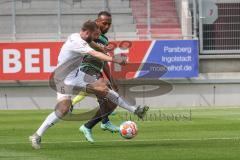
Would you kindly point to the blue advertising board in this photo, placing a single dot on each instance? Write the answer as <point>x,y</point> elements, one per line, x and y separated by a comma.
<point>171,59</point>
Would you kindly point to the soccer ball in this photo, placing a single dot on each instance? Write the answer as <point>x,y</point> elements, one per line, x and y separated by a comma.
<point>128,129</point>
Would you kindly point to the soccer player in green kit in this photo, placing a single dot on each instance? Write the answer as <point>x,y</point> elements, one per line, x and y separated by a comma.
<point>94,67</point>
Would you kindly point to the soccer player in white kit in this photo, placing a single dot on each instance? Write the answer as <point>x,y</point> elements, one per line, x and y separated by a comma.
<point>69,79</point>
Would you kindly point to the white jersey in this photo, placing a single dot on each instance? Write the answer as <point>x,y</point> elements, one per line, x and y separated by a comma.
<point>75,46</point>
<point>67,74</point>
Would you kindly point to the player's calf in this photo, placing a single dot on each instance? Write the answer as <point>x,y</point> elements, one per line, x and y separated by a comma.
<point>63,108</point>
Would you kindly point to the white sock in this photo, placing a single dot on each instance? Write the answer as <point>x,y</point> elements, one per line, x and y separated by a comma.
<point>116,99</point>
<point>49,121</point>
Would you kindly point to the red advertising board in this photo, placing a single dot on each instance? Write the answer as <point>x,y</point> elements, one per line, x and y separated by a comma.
<point>36,60</point>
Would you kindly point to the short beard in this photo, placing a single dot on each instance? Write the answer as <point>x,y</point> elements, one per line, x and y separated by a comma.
<point>104,32</point>
<point>89,40</point>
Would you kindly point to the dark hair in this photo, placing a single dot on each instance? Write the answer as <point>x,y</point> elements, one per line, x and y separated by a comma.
<point>89,25</point>
<point>104,13</point>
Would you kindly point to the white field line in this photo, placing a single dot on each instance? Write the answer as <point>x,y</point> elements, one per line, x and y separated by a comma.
<point>140,140</point>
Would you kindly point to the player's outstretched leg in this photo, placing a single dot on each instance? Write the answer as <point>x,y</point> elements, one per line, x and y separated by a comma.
<point>115,98</point>
<point>35,139</point>
<point>62,109</point>
<point>100,88</point>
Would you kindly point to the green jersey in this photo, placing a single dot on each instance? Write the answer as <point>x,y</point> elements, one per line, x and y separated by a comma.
<point>92,62</point>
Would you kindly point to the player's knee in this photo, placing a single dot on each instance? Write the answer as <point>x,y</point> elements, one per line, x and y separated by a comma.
<point>99,88</point>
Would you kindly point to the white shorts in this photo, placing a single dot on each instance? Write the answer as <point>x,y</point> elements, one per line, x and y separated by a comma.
<point>75,82</point>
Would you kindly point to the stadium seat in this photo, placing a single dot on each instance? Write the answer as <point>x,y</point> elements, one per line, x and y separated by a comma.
<point>6,26</point>
<point>33,15</point>
<point>164,19</point>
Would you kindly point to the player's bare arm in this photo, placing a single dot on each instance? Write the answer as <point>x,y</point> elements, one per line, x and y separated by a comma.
<point>97,47</point>
<point>108,74</point>
<point>107,58</point>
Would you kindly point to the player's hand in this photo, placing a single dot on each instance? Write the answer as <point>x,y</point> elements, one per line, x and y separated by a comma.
<point>109,48</point>
<point>120,59</point>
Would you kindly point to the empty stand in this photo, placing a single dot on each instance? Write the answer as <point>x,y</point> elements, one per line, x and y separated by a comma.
<point>35,19</point>
<point>164,19</point>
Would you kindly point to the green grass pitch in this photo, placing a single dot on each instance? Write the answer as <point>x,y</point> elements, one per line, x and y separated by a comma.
<point>172,134</point>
